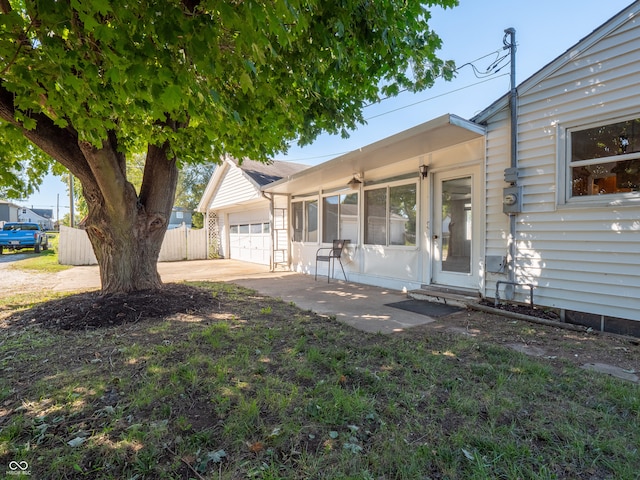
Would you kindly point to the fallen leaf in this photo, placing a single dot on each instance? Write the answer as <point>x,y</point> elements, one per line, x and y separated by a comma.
<point>76,442</point>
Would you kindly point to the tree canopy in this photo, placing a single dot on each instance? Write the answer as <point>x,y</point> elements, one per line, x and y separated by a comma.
<point>92,83</point>
<point>210,77</point>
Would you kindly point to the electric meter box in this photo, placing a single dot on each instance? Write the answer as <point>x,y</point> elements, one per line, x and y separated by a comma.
<point>512,200</point>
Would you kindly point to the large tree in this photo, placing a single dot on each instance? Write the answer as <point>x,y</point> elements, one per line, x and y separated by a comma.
<point>93,82</point>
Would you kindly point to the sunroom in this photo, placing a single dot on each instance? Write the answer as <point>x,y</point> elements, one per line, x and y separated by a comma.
<point>410,206</point>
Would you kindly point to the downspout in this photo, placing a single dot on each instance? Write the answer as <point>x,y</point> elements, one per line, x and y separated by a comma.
<point>272,265</point>
<point>512,200</point>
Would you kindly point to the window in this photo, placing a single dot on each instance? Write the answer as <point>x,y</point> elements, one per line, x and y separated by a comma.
<point>297,219</point>
<point>311,220</point>
<point>390,214</point>
<point>305,221</point>
<point>340,217</point>
<point>253,229</point>
<point>604,159</point>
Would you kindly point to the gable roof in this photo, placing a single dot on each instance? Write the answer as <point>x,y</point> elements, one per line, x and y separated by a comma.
<point>630,13</point>
<point>43,212</point>
<point>265,173</point>
<point>252,176</point>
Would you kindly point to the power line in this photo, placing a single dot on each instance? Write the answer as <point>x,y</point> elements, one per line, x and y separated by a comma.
<point>437,96</point>
<point>490,70</point>
<point>402,108</point>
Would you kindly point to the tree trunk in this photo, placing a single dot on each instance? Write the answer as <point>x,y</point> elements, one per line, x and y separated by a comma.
<point>127,252</point>
<point>126,230</point>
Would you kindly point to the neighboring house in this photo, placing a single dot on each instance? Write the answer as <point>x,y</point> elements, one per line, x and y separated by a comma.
<point>248,226</point>
<point>179,216</point>
<point>8,212</point>
<point>41,216</point>
<point>444,204</point>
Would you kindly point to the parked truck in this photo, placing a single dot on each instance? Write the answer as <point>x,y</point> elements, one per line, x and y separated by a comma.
<point>19,235</point>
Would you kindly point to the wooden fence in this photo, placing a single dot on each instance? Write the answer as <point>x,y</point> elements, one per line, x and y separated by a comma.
<point>180,243</point>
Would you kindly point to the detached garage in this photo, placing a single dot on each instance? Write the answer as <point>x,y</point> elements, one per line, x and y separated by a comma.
<point>241,215</point>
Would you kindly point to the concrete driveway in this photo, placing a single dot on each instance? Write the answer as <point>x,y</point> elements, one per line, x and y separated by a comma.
<point>360,306</point>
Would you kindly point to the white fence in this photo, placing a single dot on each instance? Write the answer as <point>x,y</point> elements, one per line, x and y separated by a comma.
<point>180,243</point>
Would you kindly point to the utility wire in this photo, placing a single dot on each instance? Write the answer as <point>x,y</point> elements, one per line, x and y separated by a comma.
<point>490,71</point>
<point>437,96</point>
<point>401,108</point>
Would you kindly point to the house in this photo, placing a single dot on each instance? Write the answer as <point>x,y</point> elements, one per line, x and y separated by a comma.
<point>8,211</point>
<point>179,216</point>
<point>41,216</point>
<point>540,191</point>
<point>242,221</point>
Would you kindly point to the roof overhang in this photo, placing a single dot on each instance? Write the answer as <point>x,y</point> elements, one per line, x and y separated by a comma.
<point>442,132</point>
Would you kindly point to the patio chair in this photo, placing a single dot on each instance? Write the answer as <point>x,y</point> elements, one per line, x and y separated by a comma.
<point>330,255</point>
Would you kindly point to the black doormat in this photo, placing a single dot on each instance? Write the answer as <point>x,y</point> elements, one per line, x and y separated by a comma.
<point>423,307</point>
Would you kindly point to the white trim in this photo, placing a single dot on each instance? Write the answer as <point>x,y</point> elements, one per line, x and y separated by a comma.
<point>564,198</point>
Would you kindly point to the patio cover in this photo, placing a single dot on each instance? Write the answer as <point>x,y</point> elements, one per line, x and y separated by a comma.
<point>441,132</point>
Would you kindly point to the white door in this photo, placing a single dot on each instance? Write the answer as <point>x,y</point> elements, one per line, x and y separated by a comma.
<point>456,229</point>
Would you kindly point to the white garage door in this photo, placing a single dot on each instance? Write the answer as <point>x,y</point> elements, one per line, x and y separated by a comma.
<point>250,238</point>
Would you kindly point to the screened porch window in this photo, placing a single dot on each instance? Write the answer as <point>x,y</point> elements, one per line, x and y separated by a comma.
<point>305,221</point>
<point>605,159</point>
<point>390,214</point>
<point>340,217</point>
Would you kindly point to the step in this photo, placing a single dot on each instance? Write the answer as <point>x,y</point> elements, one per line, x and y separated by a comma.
<point>460,297</point>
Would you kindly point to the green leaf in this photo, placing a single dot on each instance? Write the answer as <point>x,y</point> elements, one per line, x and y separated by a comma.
<point>171,98</point>
<point>245,82</point>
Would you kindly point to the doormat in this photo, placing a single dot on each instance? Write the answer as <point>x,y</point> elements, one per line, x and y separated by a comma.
<point>422,307</point>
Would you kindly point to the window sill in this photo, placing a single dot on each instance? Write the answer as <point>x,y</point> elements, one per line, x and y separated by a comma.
<point>604,201</point>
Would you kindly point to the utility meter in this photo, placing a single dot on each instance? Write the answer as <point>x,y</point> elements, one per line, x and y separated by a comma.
<point>512,200</point>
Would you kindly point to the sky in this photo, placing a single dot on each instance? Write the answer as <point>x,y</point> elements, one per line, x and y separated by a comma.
<point>471,32</point>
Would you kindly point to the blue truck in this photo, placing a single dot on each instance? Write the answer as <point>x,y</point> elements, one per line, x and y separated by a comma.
<point>18,235</point>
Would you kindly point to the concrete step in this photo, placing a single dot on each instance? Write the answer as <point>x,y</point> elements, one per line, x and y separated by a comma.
<point>451,296</point>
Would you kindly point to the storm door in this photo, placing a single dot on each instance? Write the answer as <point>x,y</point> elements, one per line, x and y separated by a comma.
<point>455,229</point>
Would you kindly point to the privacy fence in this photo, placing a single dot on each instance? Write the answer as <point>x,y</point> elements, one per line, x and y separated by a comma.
<point>180,243</point>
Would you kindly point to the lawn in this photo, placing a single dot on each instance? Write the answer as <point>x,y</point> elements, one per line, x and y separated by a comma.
<point>44,262</point>
<point>256,388</point>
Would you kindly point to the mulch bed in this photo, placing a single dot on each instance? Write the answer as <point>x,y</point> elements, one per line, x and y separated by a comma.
<point>93,310</point>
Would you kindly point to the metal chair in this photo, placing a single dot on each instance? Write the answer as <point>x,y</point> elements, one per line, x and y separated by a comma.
<point>330,255</point>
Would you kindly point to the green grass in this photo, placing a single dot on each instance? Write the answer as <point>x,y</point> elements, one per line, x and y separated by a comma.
<point>259,389</point>
<point>43,262</point>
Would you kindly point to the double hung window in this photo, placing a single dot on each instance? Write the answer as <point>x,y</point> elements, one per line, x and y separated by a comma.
<point>390,215</point>
<point>604,159</point>
<point>305,221</point>
<point>340,217</point>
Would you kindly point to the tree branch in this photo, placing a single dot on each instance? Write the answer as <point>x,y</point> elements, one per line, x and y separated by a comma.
<point>108,168</point>
<point>5,6</point>
<point>59,143</point>
<point>158,188</point>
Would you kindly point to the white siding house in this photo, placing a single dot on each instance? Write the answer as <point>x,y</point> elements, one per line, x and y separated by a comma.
<point>249,226</point>
<point>578,235</point>
<point>426,208</point>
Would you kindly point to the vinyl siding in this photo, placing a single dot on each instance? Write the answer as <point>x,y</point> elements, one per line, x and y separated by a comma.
<point>583,258</point>
<point>234,189</point>
<point>497,223</point>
